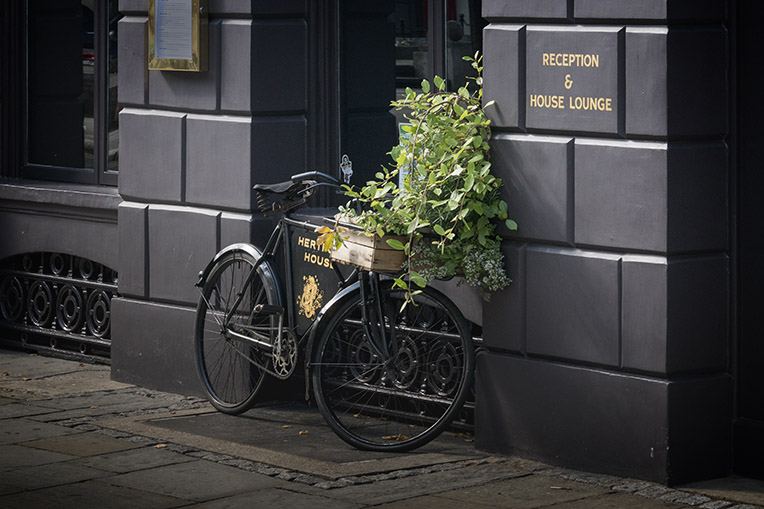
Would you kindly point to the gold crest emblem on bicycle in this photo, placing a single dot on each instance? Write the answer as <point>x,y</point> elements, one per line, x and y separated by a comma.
<point>311,299</point>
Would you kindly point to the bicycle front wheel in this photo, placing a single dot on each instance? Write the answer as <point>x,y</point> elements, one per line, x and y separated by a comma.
<point>230,368</point>
<point>405,401</point>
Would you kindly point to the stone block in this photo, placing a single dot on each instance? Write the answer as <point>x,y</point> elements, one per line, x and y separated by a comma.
<point>675,314</point>
<point>133,73</point>
<point>650,196</point>
<point>537,172</point>
<point>697,191</point>
<point>541,9</point>
<point>572,303</point>
<point>133,253</point>
<point>700,430</point>
<point>235,228</point>
<point>583,418</point>
<point>235,60</point>
<point>279,148</point>
<point>151,155</point>
<point>621,194</point>
<point>573,79</point>
<point>182,240</point>
<point>190,90</point>
<point>219,161</point>
<point>504,315</point>
<point>676,81</point>
<point>571,416</point>
<point>152,347</point>
<point>504,74</point>
<point>279,65</point>
<point>652,10</point>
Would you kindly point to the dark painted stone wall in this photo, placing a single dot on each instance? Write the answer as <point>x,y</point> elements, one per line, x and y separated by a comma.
<point>192,146</point>
<point>609,352</point>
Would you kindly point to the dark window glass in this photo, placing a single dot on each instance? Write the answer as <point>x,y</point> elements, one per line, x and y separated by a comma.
<point>71,94</point>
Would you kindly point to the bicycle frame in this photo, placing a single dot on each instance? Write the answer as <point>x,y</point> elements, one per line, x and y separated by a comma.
<point>278,240</point>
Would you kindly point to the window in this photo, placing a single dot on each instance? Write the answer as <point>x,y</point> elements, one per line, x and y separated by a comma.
<point>432,36</point>
<point>71,122</point>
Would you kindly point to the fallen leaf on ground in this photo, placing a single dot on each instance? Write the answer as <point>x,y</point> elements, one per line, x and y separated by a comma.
<point>94,406</point>
<point>399,436</point>
<point>5,373</point>
<point>160,446</point>
<point>26,379</point>
<point>286,426</point>
<point>304,432</point>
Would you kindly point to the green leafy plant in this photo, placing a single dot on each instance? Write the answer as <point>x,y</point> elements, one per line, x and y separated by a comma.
<point>449,203</point>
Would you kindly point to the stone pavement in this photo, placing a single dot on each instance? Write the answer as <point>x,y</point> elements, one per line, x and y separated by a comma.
<point>70,437</point>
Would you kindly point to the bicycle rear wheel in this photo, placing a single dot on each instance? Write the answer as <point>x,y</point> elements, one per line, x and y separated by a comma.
<point>404,402</point>
<point>230,368</point>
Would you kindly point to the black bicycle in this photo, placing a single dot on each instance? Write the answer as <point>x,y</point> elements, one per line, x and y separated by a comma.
<point>386,377</point>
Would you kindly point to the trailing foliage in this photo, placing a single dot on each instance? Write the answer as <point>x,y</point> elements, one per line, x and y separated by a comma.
<point>449,200</point>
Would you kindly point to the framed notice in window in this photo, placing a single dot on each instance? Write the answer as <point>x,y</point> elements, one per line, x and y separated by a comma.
<point>178,35</point>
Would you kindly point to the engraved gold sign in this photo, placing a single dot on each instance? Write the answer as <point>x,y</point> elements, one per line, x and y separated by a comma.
<point>178,35</point>
<point>311,299</point>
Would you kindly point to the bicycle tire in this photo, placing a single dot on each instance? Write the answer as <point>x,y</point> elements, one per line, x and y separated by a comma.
<point>410,400</point>
<point>229,379</point>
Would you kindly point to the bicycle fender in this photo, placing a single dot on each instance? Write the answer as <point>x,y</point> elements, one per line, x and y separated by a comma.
<point>325,313</point>
<point>250,250</point>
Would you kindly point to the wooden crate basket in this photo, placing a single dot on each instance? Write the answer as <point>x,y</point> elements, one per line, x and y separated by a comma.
<point>369,253</point>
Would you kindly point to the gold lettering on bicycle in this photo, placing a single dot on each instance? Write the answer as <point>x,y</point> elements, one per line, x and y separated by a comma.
<point>314,258</point>
<point>311,299</point>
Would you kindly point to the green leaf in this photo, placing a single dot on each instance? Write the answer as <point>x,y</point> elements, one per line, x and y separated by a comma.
<point>511,225</point>
<point>417,279</point>
<point>425,86</point>
<point>396,244</point>
<point>438,81</point>
<point>438,229</point>
<point>469,182</point>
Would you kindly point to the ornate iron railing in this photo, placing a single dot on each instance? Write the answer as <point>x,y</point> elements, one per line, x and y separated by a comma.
<point>57,302</point>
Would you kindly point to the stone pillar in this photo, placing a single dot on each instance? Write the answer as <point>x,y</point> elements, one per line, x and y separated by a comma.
<point>609,352</point>
<point>192,145</point>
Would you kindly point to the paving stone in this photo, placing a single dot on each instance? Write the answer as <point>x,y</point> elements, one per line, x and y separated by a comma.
<point>23,430</point>
<point>14,409</point>
<point>277,497</point>
<point>619,500</point>
<point>89,494</point>
<point>526,491</point>
<point>740,489</point>
<point>425,484</point>
<point>44,476</point>
<point>183,480</point>
<point>41,387</point>
<point>133,460</point>
<point>82,444</point>
<point>127,400</point>
<point>17,456</point>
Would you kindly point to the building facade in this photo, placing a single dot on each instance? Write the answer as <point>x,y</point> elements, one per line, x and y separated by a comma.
<point>625,132</point>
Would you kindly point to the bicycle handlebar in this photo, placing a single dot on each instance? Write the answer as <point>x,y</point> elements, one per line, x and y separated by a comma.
<point>315,175</point>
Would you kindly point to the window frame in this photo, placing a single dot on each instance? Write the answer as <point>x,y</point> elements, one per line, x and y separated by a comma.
<point>99,174</point>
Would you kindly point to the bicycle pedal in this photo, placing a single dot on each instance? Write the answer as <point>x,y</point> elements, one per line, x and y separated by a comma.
<point>267,309</point>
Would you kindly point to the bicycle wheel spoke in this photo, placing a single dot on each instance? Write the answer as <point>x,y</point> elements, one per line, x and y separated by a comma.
<point>232,370</point>
<point>405,401</point>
